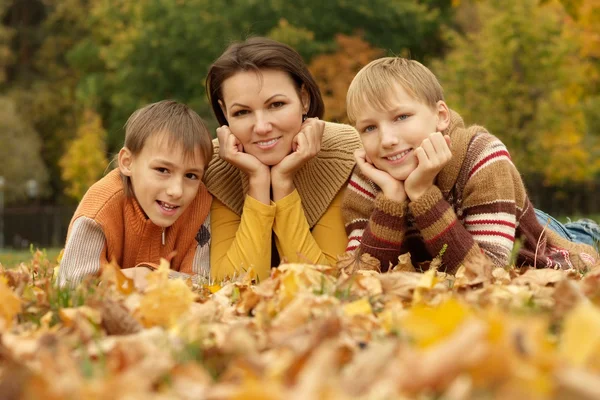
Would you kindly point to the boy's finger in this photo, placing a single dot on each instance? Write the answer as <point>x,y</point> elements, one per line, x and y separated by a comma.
<point>428,148</point>
<point>439,144</point>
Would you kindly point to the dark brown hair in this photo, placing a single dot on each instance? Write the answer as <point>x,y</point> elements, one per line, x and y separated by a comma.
<point>180,125</point>
<point>256,54</point>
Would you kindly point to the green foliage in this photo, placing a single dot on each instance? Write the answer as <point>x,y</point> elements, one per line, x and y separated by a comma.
<point>519,73</point>
<point>19,152</point>
<point>85,159</point>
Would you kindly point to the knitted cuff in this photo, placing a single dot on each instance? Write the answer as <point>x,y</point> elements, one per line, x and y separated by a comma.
<point>426,202</point>
<point>391,207</point>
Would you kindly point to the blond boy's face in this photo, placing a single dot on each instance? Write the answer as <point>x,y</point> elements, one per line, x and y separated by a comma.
<point>164,182</point>
<point>390,136</point>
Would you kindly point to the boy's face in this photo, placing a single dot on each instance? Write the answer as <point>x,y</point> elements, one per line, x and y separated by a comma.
<point>391,136</point>
<point>164,182</point>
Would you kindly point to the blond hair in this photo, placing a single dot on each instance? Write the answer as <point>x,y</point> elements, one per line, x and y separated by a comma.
<point>373,84</point>
<point>180,125</point>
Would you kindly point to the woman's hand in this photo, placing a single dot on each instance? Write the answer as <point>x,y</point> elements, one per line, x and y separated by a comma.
<point>392,188</point>
<point>433,154</point>
<point>259,174</point>
<point>305,145</point>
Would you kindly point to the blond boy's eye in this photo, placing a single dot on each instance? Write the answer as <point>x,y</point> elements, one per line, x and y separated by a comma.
<point>402,117</point>
<point>369,128</point>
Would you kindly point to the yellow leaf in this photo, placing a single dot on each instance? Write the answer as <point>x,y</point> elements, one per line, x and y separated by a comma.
<point>358,307</point>
<point>581,336</point>
<point>165,299</point>
<point>213,288</point>
<point>10,304</point>
<point>112,273</point>
<point>428,325</point>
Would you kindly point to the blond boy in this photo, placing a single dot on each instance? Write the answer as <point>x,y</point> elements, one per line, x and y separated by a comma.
<point>424,182</point>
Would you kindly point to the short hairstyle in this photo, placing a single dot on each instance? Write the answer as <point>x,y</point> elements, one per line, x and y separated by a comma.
<point>256,54</point>
<point>373,84</point>
<point>181,126</point>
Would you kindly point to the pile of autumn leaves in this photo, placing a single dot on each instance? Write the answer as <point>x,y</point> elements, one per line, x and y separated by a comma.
<point>307,332</point>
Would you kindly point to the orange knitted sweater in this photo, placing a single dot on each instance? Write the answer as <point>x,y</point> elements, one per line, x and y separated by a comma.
<point>107,218</point>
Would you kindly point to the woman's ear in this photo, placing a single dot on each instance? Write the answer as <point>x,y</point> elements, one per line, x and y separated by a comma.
<point>223,109</point>
<point>305,99</point>
<point>125,160</point>
<point>443,116</point>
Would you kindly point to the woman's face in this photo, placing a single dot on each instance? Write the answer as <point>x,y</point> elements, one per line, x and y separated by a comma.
<point>264,111</point>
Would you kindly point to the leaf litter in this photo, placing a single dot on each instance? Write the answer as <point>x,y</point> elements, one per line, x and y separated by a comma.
<point>308,331</point>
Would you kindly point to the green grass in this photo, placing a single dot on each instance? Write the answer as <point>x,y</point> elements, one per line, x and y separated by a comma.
<point>11,258</point>
<point>565,219</point>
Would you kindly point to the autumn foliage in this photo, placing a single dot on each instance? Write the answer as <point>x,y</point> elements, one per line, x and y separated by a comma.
<point>308,331</point>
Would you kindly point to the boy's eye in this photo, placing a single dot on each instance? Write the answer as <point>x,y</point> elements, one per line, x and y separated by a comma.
<point>192,176</point>
<point>239,113</point>
<point>402,117</point>
<point>369,128</point>
<point>162,170</point>
<point>277,104</point>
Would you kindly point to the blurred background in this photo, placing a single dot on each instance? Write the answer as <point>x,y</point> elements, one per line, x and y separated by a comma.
<point>72,71</point>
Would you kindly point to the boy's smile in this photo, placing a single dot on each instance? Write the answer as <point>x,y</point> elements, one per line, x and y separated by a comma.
<point>391,135</point>
<point>164,181</point>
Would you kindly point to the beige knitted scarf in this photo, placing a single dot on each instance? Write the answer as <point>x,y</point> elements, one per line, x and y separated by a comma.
<point>317,182</point>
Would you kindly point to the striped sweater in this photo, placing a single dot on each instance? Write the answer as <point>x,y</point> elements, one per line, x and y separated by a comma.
<point>478,205</point>
<point>108,226</point>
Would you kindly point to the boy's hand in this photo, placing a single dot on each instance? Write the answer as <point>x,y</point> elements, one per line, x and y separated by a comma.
<point>138,275</point>
<point>433,154</point>
<point>305,145</point>
<point>392,188</point>
<point>232,151</point>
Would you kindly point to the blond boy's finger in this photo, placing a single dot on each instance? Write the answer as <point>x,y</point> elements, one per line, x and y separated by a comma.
<point>439,143</point>
<point>429,150</point>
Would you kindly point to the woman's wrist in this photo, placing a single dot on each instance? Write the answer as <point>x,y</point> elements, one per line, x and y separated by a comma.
<point>259,188</point>
<point>282,187</point>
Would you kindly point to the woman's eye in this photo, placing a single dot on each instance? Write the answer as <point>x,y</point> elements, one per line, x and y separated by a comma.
<point>239,113</point>
<point>277,104</point>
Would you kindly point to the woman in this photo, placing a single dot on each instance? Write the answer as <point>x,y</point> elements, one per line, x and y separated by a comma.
<point>278,171</point>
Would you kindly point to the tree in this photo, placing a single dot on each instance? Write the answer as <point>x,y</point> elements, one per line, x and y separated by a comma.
<point>520,74</point>
<point>334,72</point>
<point>85,160</point>
<point>20,153</point>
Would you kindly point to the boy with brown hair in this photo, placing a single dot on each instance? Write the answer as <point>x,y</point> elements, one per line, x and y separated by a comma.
<point>426,184</point>
<point>153,206</point>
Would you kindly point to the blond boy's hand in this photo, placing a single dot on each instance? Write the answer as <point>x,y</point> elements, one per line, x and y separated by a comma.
<point>392,188</point>
<point>433,154</point>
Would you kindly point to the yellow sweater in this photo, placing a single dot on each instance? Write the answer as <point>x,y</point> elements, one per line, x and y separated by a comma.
<point>108,226</point>
<point>308,224</point>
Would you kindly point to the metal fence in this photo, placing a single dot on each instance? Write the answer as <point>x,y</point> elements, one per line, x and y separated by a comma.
<point>42,226</point>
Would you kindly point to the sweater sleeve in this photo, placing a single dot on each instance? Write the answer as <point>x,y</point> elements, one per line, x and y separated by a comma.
<point>239,242</point>
<point>374,224</point>
<point>489,212</point>
<point>296,242</point>
<point>85,252</point>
